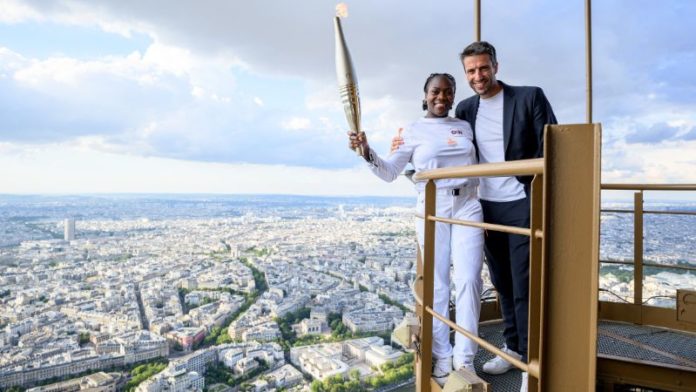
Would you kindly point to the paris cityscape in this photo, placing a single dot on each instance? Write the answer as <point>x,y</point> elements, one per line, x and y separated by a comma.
<point>180,210</point>
<point>224,293</point>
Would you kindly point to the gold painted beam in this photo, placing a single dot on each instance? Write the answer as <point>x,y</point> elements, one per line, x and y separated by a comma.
<point>522,167</point>
<point>477,20</point>
<point>670,212</point>
<point>649,187</point>
<point>537,277</point>
<point>424,367</point>
<point>481,342</point>
<point>619,371</point>
<point>486,226</point>
<point>638,248</point>
<point>653,265</point>
<point>588,61</point>
<point>643,315</point>
<point>571,250</point>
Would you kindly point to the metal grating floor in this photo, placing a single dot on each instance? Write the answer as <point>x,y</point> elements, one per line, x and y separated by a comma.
<point>615,339</point>
<point>647,344</point>
<point>509,381</point>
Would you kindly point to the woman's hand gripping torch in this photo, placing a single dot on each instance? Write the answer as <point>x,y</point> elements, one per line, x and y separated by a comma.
<point>347,80</point>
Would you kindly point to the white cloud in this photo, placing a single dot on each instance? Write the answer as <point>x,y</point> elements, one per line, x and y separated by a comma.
<point>296,123</point>
<point>13,11</point>
<point>68,12</point>
<point>167,58</point>
<point>206,88</point>
<point>323,97</point>
<point>197,92</point>
<point>62,72</point>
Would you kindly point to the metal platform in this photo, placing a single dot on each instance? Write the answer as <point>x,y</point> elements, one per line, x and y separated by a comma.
<point>657,347</point>
<point>509,381</point>
<point>647,344</point>
<point>643,344</point>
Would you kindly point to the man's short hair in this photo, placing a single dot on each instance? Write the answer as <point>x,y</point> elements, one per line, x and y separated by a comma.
<point>479,47</point>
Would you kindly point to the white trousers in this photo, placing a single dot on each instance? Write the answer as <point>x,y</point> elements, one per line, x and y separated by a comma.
<point>462,245</point>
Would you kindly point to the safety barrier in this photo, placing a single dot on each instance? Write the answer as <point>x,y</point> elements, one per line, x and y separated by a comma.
<point>564,254</point>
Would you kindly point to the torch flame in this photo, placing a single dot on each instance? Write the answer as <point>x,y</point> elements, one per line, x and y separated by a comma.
<point>342,10</point>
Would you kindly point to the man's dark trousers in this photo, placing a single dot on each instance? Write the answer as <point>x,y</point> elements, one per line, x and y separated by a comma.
<point>507,256</point>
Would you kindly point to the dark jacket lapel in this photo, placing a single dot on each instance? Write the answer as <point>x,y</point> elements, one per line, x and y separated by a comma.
<point>471,118</point>
<point>473,110</point>
<point>508,110</point>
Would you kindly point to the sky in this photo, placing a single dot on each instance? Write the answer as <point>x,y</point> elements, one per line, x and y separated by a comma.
<point>225,96</point>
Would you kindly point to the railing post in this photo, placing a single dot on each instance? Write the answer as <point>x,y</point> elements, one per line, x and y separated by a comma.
<point>536,281</point>
<point>588,61</point>
<point>477,20</point>
<point>638,248</point>
<point>571,255</point>
<point>424,369</point>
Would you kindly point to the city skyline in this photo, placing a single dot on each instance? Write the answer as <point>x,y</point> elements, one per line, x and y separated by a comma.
<point>241,286</point>
<point>202,290</point>
<point>241,97</point>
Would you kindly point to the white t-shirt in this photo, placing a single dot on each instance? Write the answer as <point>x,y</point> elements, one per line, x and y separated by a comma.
<point>491,148</point>
<point>431,143</point>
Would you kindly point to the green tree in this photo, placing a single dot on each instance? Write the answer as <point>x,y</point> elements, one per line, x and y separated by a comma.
<point>334,380</point>
<point>84,338</point>
<point>143,372</point>
<point>354,386</point>
<point>246,387</point>
<point>316,386</point>
<point>338,388</point>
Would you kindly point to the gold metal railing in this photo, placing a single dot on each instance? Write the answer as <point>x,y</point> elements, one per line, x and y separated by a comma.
<point>424,305</point>
<point>638,312</point>
<point>564,201</point>
<point>649,187</point>
<point>612,370</point>
<point>514,168</point>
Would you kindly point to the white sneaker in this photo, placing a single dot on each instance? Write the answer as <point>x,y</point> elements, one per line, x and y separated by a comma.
<point>525,380</point>
<point>498,365</point>
<point>441,369</point>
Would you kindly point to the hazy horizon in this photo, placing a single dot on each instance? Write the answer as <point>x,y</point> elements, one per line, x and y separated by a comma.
<point>648,198</point>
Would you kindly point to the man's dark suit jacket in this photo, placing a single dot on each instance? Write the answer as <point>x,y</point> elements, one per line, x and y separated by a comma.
<point>525,112</point>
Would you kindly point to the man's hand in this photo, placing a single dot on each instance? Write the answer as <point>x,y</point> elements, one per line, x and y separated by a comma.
<point>397,141</point>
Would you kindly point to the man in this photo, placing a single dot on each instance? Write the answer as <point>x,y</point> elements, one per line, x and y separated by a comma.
<point>508,123</point>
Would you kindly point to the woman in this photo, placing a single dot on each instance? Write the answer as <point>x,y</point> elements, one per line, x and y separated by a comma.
<point>431,142</point>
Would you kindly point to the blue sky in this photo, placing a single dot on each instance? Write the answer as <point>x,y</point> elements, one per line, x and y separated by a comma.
<point>241,97</point>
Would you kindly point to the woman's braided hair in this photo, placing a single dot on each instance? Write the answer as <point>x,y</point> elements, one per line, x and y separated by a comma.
<point>434,75</point>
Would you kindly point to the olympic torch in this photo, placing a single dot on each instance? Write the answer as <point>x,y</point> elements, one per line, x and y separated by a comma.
<point>347,80</point>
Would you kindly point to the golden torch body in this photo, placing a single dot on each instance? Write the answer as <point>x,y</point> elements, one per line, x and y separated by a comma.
<point>347,81</point>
